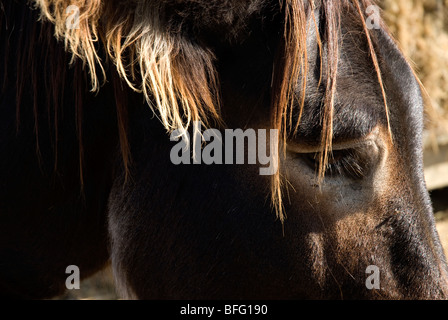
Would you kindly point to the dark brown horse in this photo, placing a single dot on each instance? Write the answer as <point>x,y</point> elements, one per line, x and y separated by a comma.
<point>86,177</point>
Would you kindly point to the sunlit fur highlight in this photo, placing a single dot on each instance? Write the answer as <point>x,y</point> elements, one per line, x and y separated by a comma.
<point>178,77</point>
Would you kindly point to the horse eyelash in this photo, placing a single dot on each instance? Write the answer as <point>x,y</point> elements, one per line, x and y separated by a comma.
<point>347,163</point>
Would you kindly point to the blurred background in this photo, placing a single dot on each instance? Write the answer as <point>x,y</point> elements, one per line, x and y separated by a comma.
<point>421,28</point>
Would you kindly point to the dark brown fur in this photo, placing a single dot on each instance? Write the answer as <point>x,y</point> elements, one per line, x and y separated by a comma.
<point>328,84</point>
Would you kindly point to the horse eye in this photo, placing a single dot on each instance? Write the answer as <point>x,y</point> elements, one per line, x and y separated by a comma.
<point>347,162</point>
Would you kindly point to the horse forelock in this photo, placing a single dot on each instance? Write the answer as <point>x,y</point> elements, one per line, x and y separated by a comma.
<point>293,69</point>
<point>177,76</point>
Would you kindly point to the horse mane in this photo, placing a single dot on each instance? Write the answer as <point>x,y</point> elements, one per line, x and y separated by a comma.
<point>177,76</point>
<point>294,66</point>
